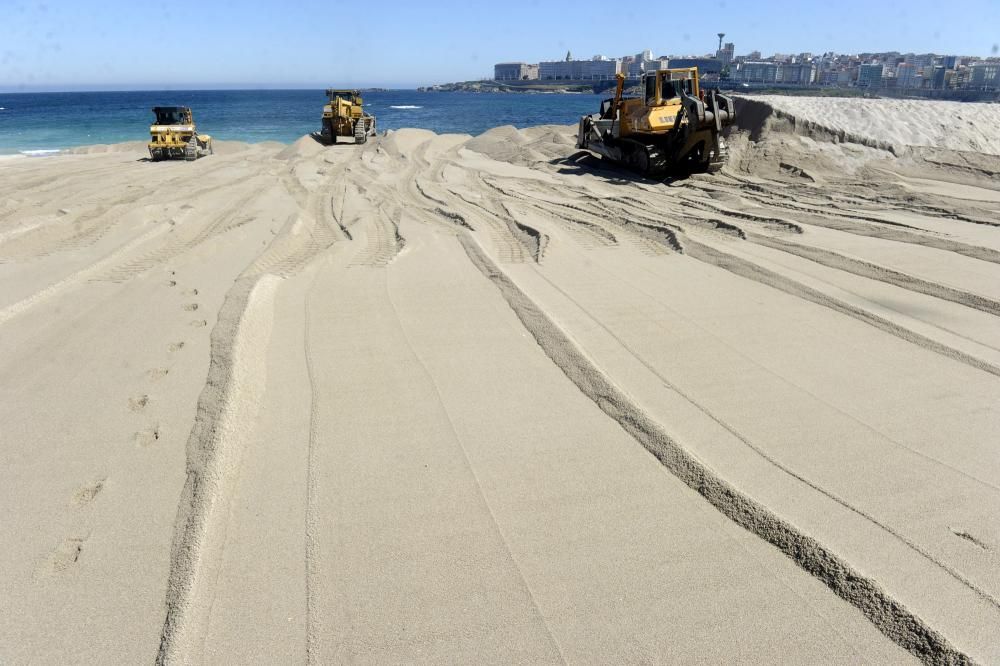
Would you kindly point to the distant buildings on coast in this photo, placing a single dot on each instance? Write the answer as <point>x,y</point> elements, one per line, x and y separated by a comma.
<point>872,71</point>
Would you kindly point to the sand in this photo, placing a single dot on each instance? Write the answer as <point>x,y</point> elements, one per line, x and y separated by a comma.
<point>452,399</point>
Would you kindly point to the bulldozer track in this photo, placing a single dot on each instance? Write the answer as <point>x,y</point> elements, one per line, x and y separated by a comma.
<point>185,238</point>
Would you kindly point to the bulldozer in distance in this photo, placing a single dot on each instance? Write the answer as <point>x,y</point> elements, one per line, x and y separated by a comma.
<point>173,135</point>
<point>672,128</point>
<point>344,115</point>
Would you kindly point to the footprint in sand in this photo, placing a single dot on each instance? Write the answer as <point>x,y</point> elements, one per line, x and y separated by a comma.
<point>86,494</point>
<point>65,555</point>
<point>190,292</point>
<point>176,346</point>
<point>171,283</point>
<point>157,374</point>
<point>138,403</point>
<point>191,307</point>
<point>198,323</point>
<point>147,437</point>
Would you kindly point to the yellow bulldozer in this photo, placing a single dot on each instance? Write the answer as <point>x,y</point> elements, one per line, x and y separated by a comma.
<point>344,115</point>
<point>173,135</point>
<point>673,127</point>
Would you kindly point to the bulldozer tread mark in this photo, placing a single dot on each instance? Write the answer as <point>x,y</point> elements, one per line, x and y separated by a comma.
<point>360,132</point>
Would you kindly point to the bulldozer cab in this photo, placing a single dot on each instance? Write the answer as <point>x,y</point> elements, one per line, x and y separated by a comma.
<point>352,96</point>
<point>172,115</point>
<point>667,86</point>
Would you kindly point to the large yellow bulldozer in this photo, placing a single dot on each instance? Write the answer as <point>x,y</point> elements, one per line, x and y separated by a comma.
<point>174,135</point>
<point>344,115</point>
<point>672,127</point>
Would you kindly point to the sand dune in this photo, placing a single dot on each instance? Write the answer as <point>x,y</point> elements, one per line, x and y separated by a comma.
<point>485,399</point>
<point>901,123</point>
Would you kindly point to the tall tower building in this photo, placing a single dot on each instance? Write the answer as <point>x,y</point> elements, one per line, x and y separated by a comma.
<point>727,53</point>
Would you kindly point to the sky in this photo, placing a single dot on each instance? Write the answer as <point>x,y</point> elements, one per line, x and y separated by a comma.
<point>176,44</point>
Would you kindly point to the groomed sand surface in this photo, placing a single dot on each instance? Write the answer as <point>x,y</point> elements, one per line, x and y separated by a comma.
<point>487,400</point>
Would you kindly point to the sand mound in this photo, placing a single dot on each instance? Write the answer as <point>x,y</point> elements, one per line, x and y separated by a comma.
<point>564,135</point>
<point>821,138</point>
<point>403,142</point>
<point>508,144</point>
<point>304,146</point>
<point>887,123</point>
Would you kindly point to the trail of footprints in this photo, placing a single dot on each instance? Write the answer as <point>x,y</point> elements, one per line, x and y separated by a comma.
<point>68,553</point>
<point>150,435</point>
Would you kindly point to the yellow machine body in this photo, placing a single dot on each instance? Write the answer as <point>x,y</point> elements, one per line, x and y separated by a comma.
<point>656,111</point>
<point>174,135</point>
<point>344,115</point>
<point>672,125</point>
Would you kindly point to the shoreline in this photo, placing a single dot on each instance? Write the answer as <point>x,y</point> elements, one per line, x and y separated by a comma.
<point>830,116</point>
<point>276,115</point>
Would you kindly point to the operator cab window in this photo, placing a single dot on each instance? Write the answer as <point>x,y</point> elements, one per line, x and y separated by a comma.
<point>672,89</point>
<point>669,89</point>
<point>168,118</point>
<point>651,90</point>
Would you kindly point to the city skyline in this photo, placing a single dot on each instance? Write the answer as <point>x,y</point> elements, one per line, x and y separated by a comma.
<point>62,45</point>
<point>970,75</point>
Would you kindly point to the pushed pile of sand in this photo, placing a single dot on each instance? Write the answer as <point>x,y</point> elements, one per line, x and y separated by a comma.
<point>960,126</point>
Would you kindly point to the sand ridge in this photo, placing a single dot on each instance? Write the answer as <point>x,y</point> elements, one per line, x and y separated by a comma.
<point>452,398</point>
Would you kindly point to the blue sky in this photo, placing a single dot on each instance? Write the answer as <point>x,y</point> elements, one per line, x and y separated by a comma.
<point>119,44</point>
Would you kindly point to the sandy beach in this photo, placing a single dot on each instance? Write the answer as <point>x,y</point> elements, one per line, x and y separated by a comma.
<point>453,399</point>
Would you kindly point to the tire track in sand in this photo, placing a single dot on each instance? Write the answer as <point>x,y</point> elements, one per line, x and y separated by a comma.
<point>888,615</point>
<point>751,271</point>
<point>880,273</point>
<point>756,273</point>
<point>224,421</point>
<point>384,240</point>
<point>186,237</point>
<point>311,522</point>
<point>913,236</point>
<point>83,275</point>
<point>909,543</point>
<point>225,415</point>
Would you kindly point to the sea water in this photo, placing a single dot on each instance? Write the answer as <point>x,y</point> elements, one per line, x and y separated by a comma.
<point>36,124</point>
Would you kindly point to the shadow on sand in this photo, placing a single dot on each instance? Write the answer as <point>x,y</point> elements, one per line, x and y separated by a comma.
<point>583,163</point>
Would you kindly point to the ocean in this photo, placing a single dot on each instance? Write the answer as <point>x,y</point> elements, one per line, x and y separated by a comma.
<point>43,123</point>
